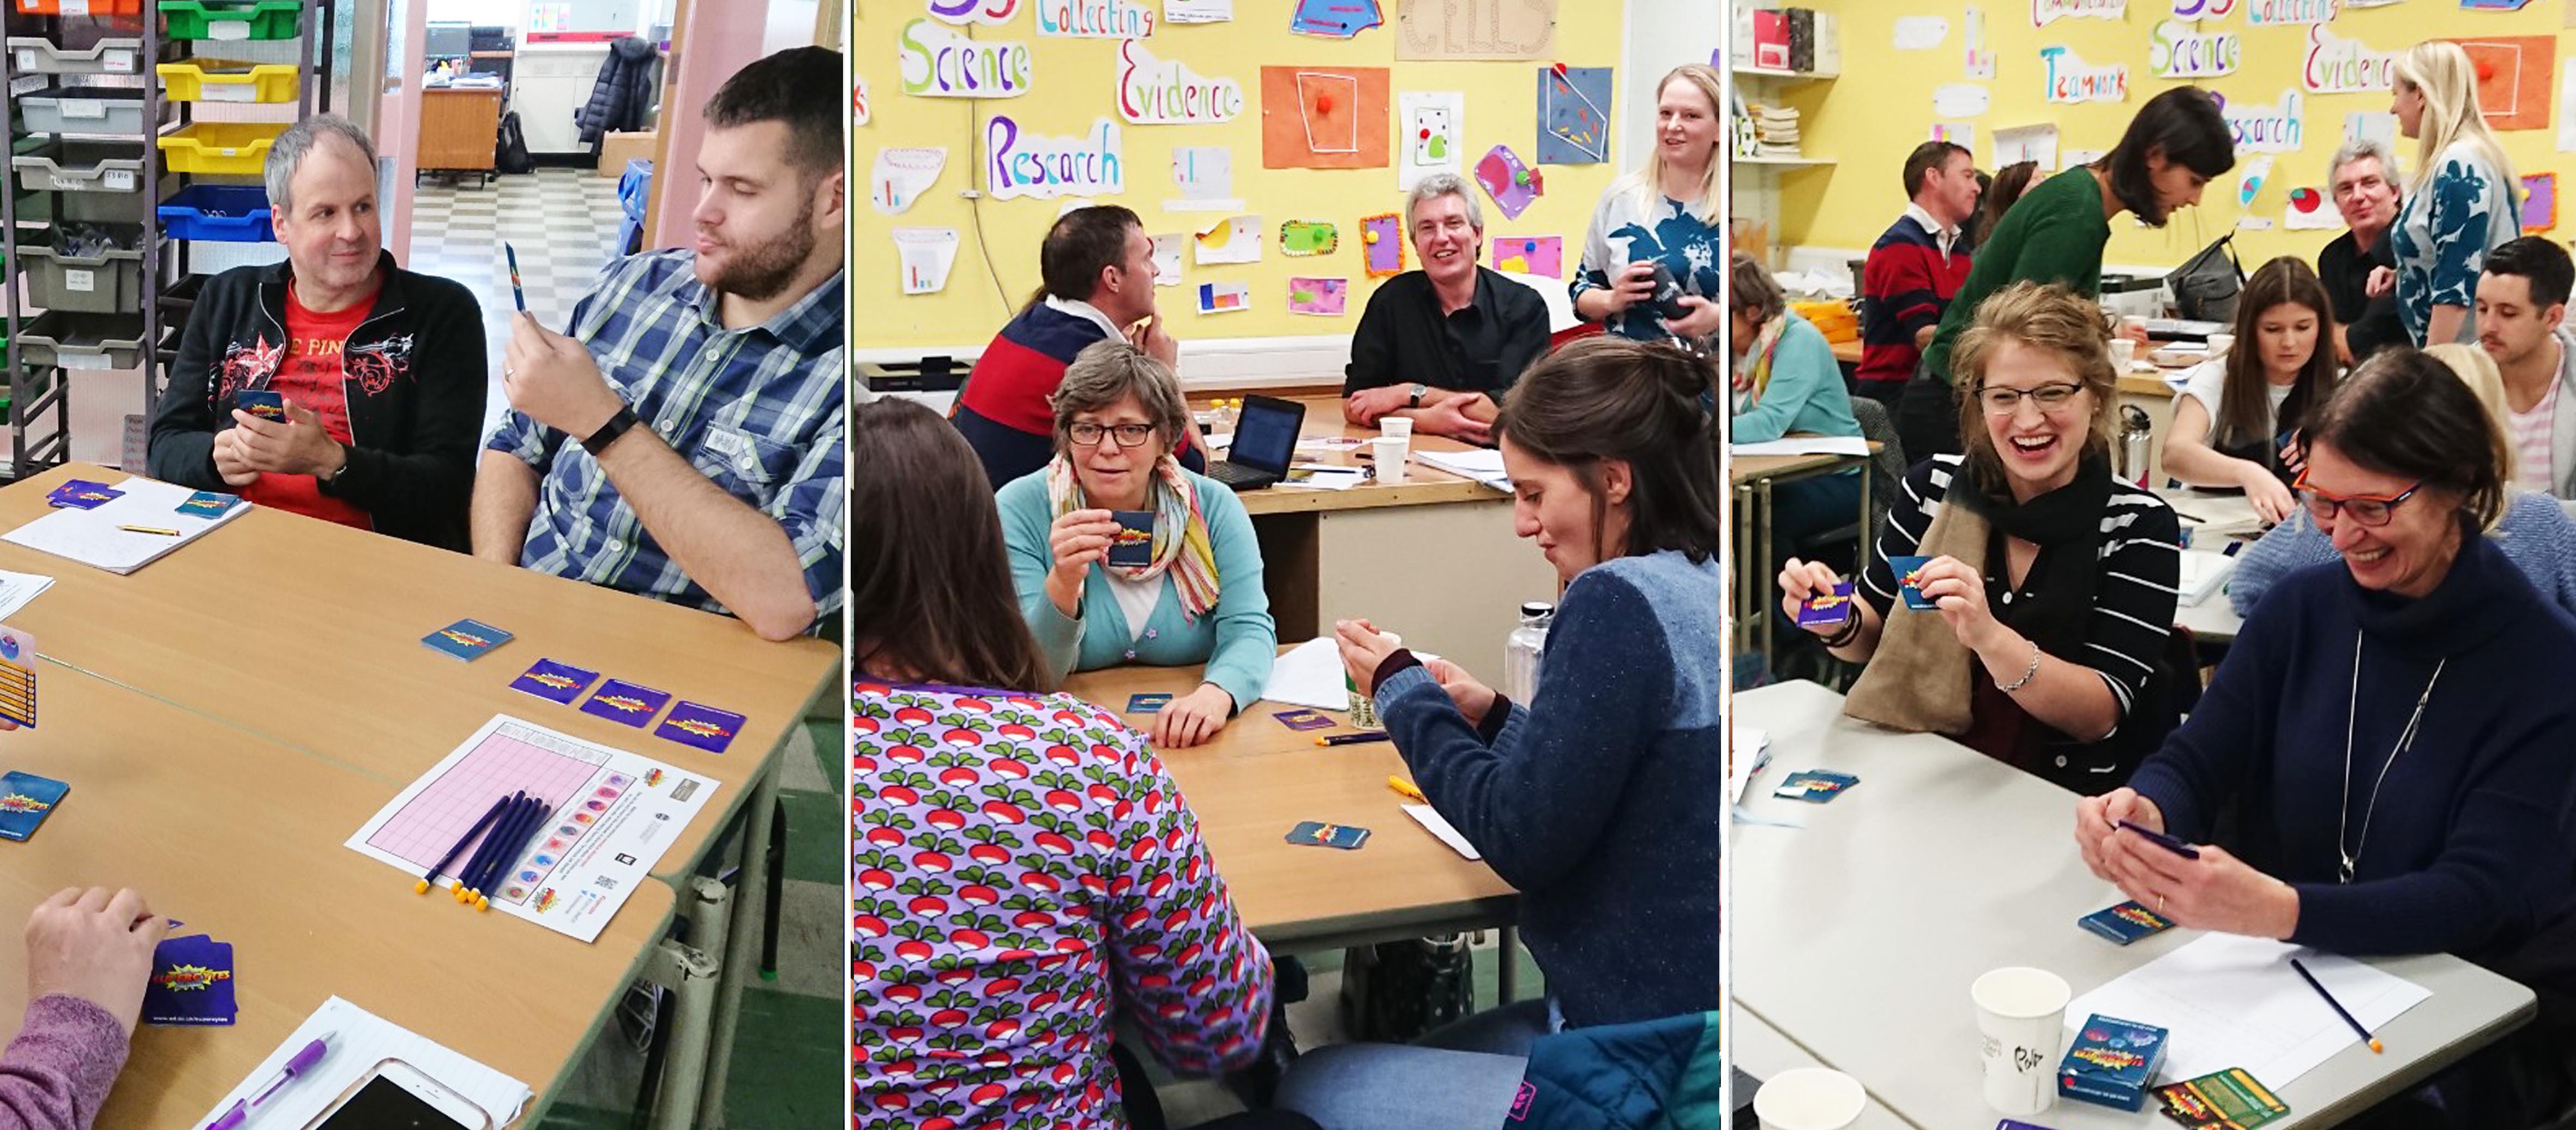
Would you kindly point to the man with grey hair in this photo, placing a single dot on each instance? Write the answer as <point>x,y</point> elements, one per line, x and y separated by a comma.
<point>1441,344</point>
<point>381,371</point>
<point>2364,182</point>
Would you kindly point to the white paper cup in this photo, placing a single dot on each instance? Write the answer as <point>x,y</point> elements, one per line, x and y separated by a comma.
<point>2218,343</point>
<point>2134,322</point>
<point>1390,454</point>
<point>1809,1098</point>
<point>2123,353</point>
<point>2021,1017</point>
<point>1395,427</point>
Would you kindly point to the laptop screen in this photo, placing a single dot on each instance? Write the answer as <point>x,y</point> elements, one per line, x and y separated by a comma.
<point>1265,436</point>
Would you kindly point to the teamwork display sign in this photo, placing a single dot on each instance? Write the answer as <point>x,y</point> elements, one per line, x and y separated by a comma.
<point>2071,79</point>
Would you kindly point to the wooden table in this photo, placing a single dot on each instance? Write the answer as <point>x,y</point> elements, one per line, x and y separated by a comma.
<point>239,837</point>
<point>460,127</point>
<point>1846,352</point>
<point>307,633</point>
<point>1434,557</point>
<point>1259,778</point>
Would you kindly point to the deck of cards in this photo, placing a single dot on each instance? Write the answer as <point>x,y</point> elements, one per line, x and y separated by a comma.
<point>1302,719</point>
<point>1909,576</point>
<point>1147,703</point>
<point>267,404</point>
<point>2126,923</point>
<point>82,493</point>
<point>2229,1098</point>
<point>1831,608</point>
<point>1815,786</point>
<point>192,983</point>
<point>468,640</point>
<point>209,504</point>
<point>2111,1061</point>
<point>26,800</point>
<point>1316,833</point>
<point>1134,545</point>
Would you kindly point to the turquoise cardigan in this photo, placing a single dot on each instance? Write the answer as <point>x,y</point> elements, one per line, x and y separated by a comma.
<point>1237,639</point>
<point>1805,394</point>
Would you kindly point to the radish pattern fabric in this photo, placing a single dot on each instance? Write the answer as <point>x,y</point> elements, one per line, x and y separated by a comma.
<point>1024,873</point>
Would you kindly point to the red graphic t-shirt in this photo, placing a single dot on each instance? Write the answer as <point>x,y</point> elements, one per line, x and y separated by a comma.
<point>311,378</point>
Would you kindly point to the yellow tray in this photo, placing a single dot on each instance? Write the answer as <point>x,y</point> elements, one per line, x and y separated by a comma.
<point>221,147</point>
<point>227,82</point>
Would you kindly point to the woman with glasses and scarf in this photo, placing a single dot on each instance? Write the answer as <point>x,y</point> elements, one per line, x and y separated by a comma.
<point>1197,598</point>
<point>2391,734</point>
<point>2020,597</point>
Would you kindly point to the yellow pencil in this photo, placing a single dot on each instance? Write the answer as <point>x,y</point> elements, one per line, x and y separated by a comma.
<point>1401,785</point>
<point>149,530</point>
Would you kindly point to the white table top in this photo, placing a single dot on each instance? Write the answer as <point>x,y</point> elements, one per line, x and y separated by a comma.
<point>1857,935</point>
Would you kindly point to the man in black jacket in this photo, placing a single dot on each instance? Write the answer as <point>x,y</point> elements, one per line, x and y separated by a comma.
<point>382,370</point>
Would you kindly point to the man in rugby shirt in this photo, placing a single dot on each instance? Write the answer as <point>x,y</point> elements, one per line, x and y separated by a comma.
<point>1915,269</point>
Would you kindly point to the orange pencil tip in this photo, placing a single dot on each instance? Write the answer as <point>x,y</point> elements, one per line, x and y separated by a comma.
<point>2375,1048</point>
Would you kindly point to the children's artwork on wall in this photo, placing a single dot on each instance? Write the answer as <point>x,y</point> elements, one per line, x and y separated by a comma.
<point>2309,210</point>
<point>1198,11</point>
<point>1163,92</point>
<point>1095,19</point>
<point>1513,185</point>
<point>1204,174</point>
<point>1328,298</point>
<point>1323,117</point>
<point>2046,12</point>
<point>2191,11</point>
<point>1433,123</point>
<point>2036,144</point>
<point>1573,117</point>
<point>2250,176</point>
<point>2265,127</point>
<point>1978,61</point>
<point>1334,19</point>
<point>2335,65</point>
<point>1542,255</point>
<point>2513,78</point>
<point>1476,29</point>
<point>992,13</point>
<point>2276,13</point>
<point>1960,134</point>
<point>2183,51</point>
<point>2492,5</point>
<point>1235,239</point>
<point>2071,79</point>
<point>1382,244</point>
<point>902,174</point>
<point>1167,258</point>
<point>1224,297</point>
<point>1030,164</point>
<point>858,100</point>
<point>1309,237</point>
<point>924,256</point>
<point>1920,33</point>
<point>2539,202</point>
<point>934,62</point>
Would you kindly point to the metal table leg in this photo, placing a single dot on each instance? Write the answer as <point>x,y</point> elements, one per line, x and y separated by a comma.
<point>739,941</point>
<point>691,978</point>
<point>1507,976</point>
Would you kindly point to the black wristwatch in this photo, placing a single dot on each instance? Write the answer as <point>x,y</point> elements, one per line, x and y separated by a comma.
<point>607,434</point>
<point>1419,388</point>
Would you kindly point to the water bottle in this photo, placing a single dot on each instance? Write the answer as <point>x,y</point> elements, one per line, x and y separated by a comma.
<point>1521,652</point>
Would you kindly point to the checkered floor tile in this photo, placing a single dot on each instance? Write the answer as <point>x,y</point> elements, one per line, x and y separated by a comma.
<point>564,223</point>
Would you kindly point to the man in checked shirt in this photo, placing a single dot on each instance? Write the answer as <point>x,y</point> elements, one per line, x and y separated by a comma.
<point>685,439</point>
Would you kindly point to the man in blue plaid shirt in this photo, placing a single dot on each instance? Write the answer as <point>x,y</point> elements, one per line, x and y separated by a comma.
<point>685,439</point>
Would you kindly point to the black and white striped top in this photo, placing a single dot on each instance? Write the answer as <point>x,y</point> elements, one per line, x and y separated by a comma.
<point>2133,605</point>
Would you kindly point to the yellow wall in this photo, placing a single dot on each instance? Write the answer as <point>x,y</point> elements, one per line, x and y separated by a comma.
<point>1880,108</point>
<point>1073,83</point>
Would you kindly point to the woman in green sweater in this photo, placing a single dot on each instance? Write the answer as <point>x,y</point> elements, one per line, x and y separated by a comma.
<point>1198,597</point>
<point>2176,145</point>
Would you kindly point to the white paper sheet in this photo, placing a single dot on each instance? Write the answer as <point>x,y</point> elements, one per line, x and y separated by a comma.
<point>1167,258</point>
<point>1482,464</point>
<point>901,174</point>
<point>16,589</point>
<point>1804,445</point>
<point>1749,753</point>
<point>1198,11</point>
<point>2026,143</point>
<point>1310,674</point>
<point>1431,822</point>
<point>1236,239</point>
<point>1433,130</point>
<point>1960,100</point>
<point>359,1040</point>
<point>925,255</point>
<point>91,537</point>
<point>1921,33</point>
<point>2567,105</point>
<point>2233,1001</point>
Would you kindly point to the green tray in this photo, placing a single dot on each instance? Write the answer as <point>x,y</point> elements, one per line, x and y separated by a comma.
<point>211,19</point>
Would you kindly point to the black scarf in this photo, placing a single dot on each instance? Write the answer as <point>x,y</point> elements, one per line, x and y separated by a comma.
<point>2056,604</point>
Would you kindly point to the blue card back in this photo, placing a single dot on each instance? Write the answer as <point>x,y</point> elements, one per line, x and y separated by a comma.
<point>466,639</point>
<point>1905,569</point>
<point>267,404</point>
<point>2125,923</point>
<point>25,801</point>
<point>1316,833</point>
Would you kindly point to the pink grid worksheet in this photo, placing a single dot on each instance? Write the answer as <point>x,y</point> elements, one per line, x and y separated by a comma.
<point>510,760</point>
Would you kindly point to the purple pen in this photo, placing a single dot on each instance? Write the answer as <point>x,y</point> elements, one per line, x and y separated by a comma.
<point>302,1062</point>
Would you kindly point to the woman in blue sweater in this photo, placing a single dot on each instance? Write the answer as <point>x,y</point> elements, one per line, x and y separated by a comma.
<point>2439,820</point>
<point>1598,800</point>
<point>1786,380</point>
<point>1198,599</point>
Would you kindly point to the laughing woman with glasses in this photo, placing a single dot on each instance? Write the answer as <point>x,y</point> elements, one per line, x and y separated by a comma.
<point>2436,819</point>
<point>1197,598</point>
<point>2051,582</point>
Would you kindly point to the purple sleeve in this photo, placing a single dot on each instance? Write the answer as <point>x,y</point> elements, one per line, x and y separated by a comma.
<point>59,1068</point>
<point>1189,974</point>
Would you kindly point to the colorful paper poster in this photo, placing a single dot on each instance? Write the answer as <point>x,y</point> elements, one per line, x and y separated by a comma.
<point>2265,127</point>
<point>935,62</point>
<point>2250,176</point>
<point>923,257</point>
<point>962,12</point>
<point>2275,13</point>
<point>1433,123</point>
<point>1476,29</point>
<point>2070,79</point>
<point>1197,11</point>
<point>1204,174</point>
<point>1236,239</point>
<point>1334,19</point>
<point>1960,100</point>
<point>1542,255</point>
<point>858,100</point>
<point>2027,143</point>
<point>1573,115</point>
<point>2180,50</point>
<point>1031,164</point>
<point>1159,92</point>
<point>2493,6</point>
<point>1978,60</point>
<point>2513,78</point>
<point>1324,117</point>
<point>1094,19</point>
<point>1513,185</point>
<point>1920,33</point>
<point>2192,11</point>
<point>1328,298</point>
<point>2309,210</point>
<point>2046,12</point>
<point>1382,244</point>
<point>1167,258</point>
<point>2335,65</point>
<point>1303,238</point>
<point>1224,297</point>
<point>901,175</point>
<point>1960,134</point>
<point>2539,202</point>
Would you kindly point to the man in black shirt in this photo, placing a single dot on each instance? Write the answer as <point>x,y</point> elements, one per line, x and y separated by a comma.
<point>1442,343</point>
<point>2366,194</point>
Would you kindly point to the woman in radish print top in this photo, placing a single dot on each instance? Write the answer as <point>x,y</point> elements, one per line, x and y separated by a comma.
<point>1023,872</point>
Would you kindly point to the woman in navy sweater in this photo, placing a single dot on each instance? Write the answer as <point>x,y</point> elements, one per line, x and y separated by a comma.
<point>2438,820</point>
<point>1599,798</point>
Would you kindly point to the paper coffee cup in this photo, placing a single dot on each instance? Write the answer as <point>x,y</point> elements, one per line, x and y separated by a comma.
<point>2123,353</point>
<point>1809,1098</point>
<point>1395,427</point>
<point>1390,454</point>
<point>2021,1017</point>
<point>2134,322</point>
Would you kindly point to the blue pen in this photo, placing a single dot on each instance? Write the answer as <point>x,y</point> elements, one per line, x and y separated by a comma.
<point>516,291</point>
<point>2232,547</point>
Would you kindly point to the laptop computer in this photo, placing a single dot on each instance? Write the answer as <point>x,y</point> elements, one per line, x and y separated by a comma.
<point>1265,440</point>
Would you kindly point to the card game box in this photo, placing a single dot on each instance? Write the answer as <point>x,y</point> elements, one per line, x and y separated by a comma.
<point>2111,1062</point>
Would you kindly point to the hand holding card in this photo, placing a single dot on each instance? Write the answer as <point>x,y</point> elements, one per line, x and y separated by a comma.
<point>1133,545</point>
<point>1834,608</point>
<point>267,404</point>
<point>1909,580</point>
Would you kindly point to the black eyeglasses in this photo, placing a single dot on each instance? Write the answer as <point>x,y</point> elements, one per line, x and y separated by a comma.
<point>2051,398</point>
<point>1127,435</point>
